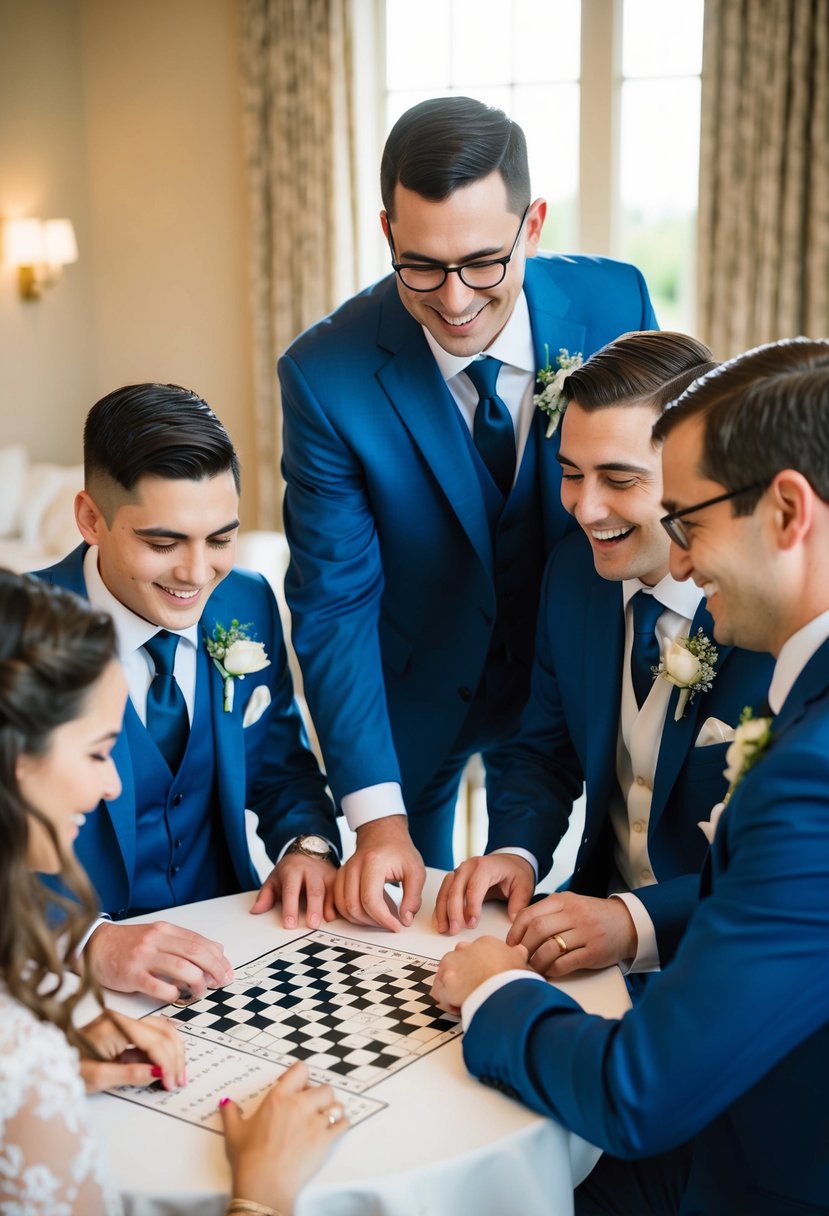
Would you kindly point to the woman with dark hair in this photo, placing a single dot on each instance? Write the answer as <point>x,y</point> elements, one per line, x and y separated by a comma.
<point>62,697</point>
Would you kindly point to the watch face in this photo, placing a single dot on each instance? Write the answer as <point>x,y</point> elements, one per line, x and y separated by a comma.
<point>315,844</point>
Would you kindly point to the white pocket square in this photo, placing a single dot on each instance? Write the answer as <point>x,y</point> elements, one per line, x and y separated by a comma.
<point>259,701</point>
<point>714,731</point>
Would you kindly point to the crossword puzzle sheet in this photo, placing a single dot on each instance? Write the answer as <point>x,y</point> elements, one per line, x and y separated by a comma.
<point>354,1012</point>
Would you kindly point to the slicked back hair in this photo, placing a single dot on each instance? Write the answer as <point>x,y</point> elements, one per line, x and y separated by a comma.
<point>651,367</point>
<point>445,143</point>
<point>160,430</point>
<point>763,411</point>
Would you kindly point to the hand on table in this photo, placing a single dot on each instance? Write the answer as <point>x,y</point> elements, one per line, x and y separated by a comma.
<point>159,959</point>
<point>135,1051</point>
<point>596,932</point>
<point>385,853</point>
<point>275,1151</point>
<point>294,876</point>
<point>461,970</point>
<point>462,893</point>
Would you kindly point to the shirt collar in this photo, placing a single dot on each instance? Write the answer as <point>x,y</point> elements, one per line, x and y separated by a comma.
<point>131,630</point>
<point>682,598</point>
<point>514,345</point>
<point>794,655</point>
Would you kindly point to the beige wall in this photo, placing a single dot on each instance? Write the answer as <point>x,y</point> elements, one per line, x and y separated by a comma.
<point>125,115</point>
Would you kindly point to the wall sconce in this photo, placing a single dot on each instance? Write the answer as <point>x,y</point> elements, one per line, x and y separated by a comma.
<point>39,249</point>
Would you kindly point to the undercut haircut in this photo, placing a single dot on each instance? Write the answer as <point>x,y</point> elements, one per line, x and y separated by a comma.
<point>763,411</point>
<point>445,143</point>
<point>156,430</point>
<point>650,367</point>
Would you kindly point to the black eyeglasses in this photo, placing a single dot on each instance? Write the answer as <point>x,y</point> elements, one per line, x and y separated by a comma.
<point>673,523</point>
<point>481,275</point>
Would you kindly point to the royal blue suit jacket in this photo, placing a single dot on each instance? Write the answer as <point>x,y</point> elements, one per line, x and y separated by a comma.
<point>266,766</point>
<point>730,1043</point>
<point>391,582</point>
<point>568,737</point>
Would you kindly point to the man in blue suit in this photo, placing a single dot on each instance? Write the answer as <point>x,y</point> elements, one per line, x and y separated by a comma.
<point>710,1092</point>
<point>211,726</point>
<point>650,754</point>
<point>422,495</point>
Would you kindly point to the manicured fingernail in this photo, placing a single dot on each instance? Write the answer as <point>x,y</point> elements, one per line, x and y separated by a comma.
<point>290,922</point>
<point>155,1071</point>
<point>223,1101</point>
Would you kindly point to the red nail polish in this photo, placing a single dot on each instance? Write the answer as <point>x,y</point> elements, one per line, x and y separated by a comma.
<point>155,1071</point>
<point>223,1101</point>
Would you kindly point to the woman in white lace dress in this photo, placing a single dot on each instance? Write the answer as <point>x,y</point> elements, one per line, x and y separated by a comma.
<point>62,697</point>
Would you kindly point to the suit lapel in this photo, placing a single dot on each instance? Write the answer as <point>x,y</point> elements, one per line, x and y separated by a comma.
<point>551,332</point>
<point>122,810</point>
<point>229,745</point>
<point>417,392</point>
<point>605,645</point>
<point>678,737</point>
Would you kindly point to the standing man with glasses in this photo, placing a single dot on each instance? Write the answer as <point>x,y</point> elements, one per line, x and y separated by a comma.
<point>710,1094</point>
<point>422,494</point>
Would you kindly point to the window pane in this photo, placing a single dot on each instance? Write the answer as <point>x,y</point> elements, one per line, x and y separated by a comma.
<point>479,56</point>
<point>662,38</point>
<point>659,158</point>
<point>549,116</point>
<point>547,44</point>
<point>417,45</point>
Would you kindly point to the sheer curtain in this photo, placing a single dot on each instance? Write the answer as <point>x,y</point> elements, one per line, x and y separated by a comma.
<point>298,113</point>
<point>763,252</point>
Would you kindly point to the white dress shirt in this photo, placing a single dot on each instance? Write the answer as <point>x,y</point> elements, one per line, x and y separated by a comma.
<point>516,382</point>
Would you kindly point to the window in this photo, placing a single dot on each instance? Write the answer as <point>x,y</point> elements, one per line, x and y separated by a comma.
<point>608,96</point>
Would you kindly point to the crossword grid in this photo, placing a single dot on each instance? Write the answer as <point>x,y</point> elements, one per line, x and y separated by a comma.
<point>354,1013</point>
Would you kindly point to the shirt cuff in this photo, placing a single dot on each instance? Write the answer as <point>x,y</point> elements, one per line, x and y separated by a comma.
<point>647,951</point>
<point>485,990</point>
<point>520,853</point>
<point>103,919</point>
<point>373,802</point>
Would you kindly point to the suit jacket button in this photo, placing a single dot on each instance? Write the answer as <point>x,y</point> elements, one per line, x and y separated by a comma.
<point>177,801</point>
<point>465,693</point>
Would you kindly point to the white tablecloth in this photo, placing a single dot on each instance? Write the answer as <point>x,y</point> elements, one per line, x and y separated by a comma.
<point>445,1145</point>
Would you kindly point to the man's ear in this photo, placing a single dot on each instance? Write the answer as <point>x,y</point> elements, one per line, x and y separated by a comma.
<point>534,225</point>
<point>89,517</point>
<point>384,223</point>
<point>793,507</point>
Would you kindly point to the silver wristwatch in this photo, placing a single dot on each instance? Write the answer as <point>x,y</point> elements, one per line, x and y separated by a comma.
<point>314,846</point>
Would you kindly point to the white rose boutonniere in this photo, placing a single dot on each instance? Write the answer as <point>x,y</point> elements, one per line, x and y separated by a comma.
<point>235,655</point>
<point>550,400</point>
<point>688,664</point>
<point>751,741</point>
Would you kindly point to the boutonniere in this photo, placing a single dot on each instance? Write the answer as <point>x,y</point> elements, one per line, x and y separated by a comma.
<point>235,655</point>
<point>551,377</point>
<point>688,664</point>
<point>751,741</point>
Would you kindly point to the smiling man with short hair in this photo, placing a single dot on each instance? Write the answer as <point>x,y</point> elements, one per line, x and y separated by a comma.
<point>159,514</point>
<point>652,765</point>
<point>422,496</point>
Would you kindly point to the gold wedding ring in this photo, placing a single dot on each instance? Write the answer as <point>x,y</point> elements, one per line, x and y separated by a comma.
<point>562,943</point>
<point>334,1114</point>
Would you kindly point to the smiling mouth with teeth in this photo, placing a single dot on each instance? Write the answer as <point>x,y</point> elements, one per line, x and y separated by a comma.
<point>180,595</point>
<point>610,533</point>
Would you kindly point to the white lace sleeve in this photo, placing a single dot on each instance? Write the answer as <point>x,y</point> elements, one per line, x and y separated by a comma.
<point>49,1163</point>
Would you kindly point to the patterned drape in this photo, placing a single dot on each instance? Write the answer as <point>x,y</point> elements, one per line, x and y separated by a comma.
<point>297,98</point>
<point>763,235</point>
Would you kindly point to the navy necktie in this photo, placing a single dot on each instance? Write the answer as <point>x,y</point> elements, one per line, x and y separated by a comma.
<point>167,719</point>
<point>644,654</point>
<point>493,431</point>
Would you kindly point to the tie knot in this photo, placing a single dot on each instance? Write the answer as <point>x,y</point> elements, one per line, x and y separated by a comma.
<point>484,375</point>
<point>646,612</point>
<point>162,651</point>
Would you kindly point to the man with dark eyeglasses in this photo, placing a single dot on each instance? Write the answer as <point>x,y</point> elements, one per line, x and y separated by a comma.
<point>709,1095</point>
<point>422,495</point>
